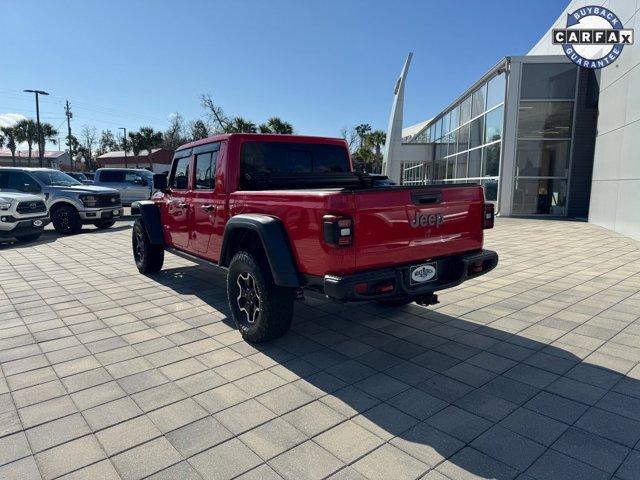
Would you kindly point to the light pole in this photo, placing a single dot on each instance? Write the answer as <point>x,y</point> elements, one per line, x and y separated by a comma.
<point>40,146</point>
<point>125,145</point>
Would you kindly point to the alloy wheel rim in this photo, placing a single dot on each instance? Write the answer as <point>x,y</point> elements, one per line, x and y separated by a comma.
<point>248,299</point>
<point>139,246</point>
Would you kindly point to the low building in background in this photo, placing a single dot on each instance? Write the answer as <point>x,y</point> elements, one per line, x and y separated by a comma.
<point>545,137</point>
<point>51,158</point>
<point>160,160</point>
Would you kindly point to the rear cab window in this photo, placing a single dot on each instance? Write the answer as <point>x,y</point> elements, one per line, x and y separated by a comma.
<point>112,176</point>
<point>266,159</point>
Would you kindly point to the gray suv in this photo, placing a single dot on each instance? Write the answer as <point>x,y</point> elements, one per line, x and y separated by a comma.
<point>71,204</point>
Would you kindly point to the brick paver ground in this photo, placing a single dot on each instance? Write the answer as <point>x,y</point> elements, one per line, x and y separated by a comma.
<point>530,372</point>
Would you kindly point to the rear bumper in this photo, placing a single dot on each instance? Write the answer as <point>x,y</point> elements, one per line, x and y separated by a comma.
<point>24,227</point>
<point>452,271</point>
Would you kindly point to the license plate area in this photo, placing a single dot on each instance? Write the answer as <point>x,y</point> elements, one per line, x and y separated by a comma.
<point>423,273</point>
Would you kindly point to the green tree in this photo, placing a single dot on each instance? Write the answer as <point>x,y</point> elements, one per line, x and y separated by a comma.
<point>107,143</point>
<point>276,125</point>
<point>377,139</point>
<point>27,132</point>
<point>149,139</point>
<point>198,130</point>
<point>362,130</point>
<point>135,145</point>
<point>49,134</point>
<point>241,125</point>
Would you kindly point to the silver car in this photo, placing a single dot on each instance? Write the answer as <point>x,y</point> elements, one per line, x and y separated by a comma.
<point>71,204</point>
<point>22,216</point>
<point>132,183</point>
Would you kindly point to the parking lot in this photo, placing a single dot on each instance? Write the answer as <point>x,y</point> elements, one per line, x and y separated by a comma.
<point>529,372</point>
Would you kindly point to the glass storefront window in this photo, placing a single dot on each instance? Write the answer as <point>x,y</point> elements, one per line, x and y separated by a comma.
<point>463,138</point>
<point>454,117</point>
<point>496,91</point>
<point>476,135</point>
<point>451,168</point>
<point>440,169</point>
<point>465,110</point>
<point>490,190</point>
<point>545,119</point>
<point>475,157</point>
<point>445,123</point>
<point>542,81</point>
<point>493,127</point>
<point>540,196</point>
<point>491,163</point>
<point>542,158</point>
<point>461,165</point>
<point>478,101</point>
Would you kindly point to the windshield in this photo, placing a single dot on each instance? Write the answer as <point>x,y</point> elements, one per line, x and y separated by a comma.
<point>55,178</point>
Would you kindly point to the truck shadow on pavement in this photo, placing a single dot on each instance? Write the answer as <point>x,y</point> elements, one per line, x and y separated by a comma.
<point>49,236</point>
<point>443,392</point>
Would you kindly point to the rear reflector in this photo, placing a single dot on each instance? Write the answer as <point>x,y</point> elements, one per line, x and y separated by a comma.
<point>488,215</point>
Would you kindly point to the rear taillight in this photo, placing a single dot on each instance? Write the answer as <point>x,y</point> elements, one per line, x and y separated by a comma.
<point>488,215</point>
<point>337,231</point>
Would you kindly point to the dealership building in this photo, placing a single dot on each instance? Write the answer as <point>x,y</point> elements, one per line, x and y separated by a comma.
<point>545,137</point>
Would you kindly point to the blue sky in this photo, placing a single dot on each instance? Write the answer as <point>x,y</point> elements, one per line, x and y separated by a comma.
<point>320,65</point>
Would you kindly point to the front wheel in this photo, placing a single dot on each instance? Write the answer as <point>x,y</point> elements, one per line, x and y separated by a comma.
<point>103,224</point>
<point>149,258</point>
<point>29,238</point>
<point>261,309</point>
<point>66,220</point>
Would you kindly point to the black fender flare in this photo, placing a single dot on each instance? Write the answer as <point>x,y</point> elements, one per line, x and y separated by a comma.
<point>274,242</point>
<point>150,214</point>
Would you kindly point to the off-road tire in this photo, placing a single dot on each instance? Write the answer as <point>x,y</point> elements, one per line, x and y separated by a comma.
<point>29,238</point>
<point>66,220</point>
<point>148,257</point>
<point>275,302</point>
<point>396,302</point>
<point>104,224</point>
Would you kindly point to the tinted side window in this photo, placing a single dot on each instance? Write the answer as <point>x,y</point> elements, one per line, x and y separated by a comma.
<point>180,176</point>
<point>206,170</point>
<point>131,177</point>
<point>112,176</point>
<point>18,181</point>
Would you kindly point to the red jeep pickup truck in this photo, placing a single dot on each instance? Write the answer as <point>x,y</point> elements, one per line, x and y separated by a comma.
<point>283,213</point>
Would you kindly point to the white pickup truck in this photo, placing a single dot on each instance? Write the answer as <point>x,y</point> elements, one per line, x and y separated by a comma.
<point>22,216</point>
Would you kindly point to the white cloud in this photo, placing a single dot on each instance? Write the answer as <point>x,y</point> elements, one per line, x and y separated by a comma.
<point>10,119</point>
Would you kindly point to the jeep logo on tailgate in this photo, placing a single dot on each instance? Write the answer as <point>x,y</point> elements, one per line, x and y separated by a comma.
<point>427,220</point>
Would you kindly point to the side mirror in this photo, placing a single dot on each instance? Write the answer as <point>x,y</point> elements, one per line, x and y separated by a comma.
<point>160,182</point>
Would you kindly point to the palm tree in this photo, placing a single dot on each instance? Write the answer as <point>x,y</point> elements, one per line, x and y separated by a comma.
<point>377,138</point>
<point>9,134</point>
<point>361,131</point>
<point>135,144</point>
<point>241,125</point>
<point>149,139</point>
<point>49,134</point>
<point>27,131</point>
<point>276,125</point>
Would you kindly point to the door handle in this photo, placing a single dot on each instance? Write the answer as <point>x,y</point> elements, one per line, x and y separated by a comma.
<point>183,205</point>
<point>208,208</point>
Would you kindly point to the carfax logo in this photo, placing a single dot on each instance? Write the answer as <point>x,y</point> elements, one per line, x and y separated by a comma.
<point>594,37</point>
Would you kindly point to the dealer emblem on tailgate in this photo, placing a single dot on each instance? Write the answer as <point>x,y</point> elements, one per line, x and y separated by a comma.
<point>427,220</point>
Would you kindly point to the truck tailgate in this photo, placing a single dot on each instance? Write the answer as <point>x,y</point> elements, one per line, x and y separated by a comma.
<point>402,225</point>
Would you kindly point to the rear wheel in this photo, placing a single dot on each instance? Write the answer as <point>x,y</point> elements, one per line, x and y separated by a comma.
<point>66,220</point>
<point>261,309</point>
<point>102,224</point>
<point>29,238</point>
<point>149,258</point>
